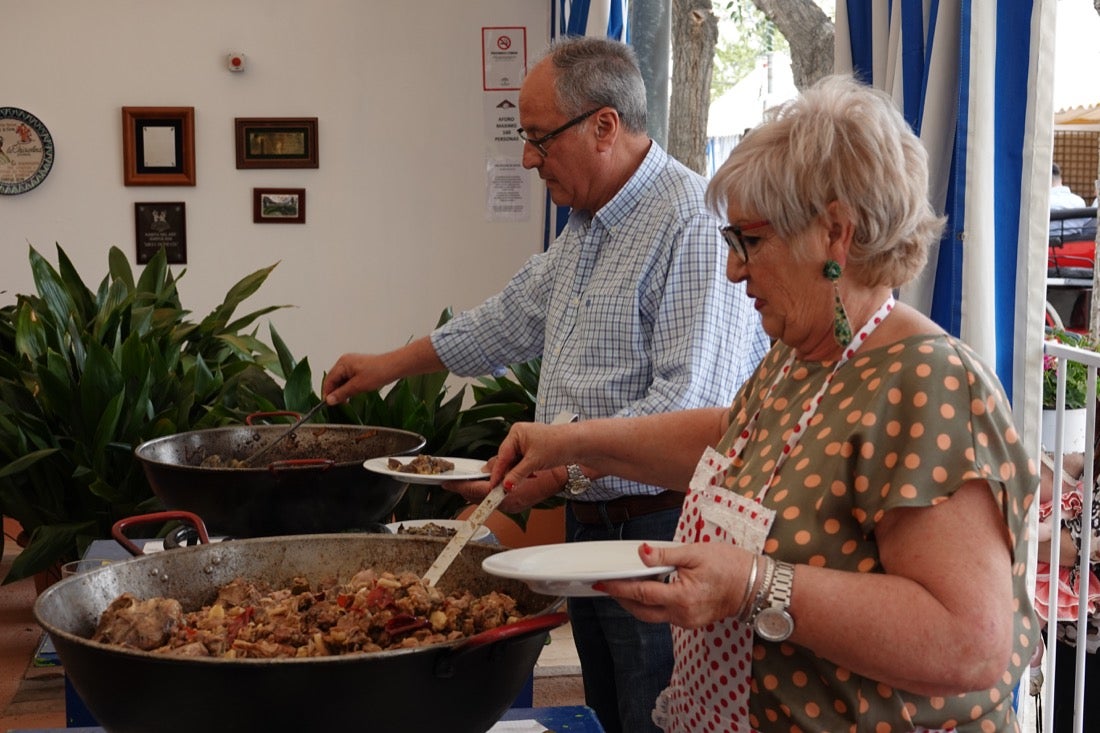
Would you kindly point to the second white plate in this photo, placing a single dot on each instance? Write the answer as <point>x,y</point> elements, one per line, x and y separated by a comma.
<point>466,469</point>
<point>570,568</point>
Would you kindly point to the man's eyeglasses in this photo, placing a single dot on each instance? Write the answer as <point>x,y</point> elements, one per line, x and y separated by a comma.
<point>738,242</point>
<point>540,142</point>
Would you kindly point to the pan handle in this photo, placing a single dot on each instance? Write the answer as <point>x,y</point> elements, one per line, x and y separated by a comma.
<point>139,519</point>
<point>250,419</point>
<point>519,630</point>
<point>289,463</point>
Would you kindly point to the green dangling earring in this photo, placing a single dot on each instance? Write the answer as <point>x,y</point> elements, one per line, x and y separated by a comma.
<point>842,327</point>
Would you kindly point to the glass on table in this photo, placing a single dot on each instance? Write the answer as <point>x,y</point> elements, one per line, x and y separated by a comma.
<point>82,566</point>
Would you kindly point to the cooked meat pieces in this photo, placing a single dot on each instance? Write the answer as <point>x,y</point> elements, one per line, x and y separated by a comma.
<point>372,611</point>
<point>422,464</point>
<point>144,625</point>
<point>428,529</point>
<point>217,461</point>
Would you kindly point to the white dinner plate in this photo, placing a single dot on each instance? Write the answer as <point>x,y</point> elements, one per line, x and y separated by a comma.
<point>479,534</point>
<point>570,568</point>
<point>466,469</point>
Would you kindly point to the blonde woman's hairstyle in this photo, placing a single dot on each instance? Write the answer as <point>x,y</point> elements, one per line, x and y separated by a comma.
<point>838,141</point>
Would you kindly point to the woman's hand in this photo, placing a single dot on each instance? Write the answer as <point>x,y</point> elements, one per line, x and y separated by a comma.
<point>708,584</point>
<point>535,488</point>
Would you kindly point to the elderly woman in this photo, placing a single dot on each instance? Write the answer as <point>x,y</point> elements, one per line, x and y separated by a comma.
<point>854,530</point>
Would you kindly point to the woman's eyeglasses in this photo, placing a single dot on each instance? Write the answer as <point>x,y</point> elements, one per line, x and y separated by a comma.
<point>734,235</point>
<point>540,142</point>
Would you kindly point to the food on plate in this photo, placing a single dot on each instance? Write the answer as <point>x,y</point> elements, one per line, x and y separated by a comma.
<point>422,464</point>
<point>428,529</point>
<point>373,611</point>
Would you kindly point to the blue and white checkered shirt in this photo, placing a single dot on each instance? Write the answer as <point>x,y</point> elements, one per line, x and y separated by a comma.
<point>630,310</point>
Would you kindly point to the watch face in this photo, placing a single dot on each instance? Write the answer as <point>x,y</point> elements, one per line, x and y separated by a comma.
<point>773,624</point>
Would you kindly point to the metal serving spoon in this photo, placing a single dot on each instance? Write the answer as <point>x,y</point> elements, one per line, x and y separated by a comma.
<point>251,460</point>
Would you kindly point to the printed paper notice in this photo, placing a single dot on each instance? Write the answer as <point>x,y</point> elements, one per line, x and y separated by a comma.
<point>503,58</point>
<point>502,124</point>
<point>508,191</point>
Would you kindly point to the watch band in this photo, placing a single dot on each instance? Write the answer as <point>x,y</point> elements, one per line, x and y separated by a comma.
<point>577,483</point>
<point>779,596</point>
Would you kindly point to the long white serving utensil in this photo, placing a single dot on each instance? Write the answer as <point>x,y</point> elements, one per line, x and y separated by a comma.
<point>474,521</point>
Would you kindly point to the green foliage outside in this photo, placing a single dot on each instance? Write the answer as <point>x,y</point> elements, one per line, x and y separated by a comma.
<point>744,36</point>
<point>1076,372</point>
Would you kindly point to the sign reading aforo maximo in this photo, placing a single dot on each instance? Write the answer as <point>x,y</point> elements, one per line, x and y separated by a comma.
<point>26,151</point>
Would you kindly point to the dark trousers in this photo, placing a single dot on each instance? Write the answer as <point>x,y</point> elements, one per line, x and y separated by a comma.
<point>625,662</point>
<point>1064,668</point>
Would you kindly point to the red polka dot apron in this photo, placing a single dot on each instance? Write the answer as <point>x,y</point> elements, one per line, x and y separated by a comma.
<point>711,679</point>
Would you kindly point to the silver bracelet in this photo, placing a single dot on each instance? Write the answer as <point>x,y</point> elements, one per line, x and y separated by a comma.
<point>747,595</point>
<point>762,593</point>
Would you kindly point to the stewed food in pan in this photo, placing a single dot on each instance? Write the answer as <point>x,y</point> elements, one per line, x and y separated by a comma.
<point>373,611</point>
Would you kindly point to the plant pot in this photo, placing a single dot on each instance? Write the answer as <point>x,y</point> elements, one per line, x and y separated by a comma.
<point>1075,429</point>
<point>544,527</point>
<point>45,578</point>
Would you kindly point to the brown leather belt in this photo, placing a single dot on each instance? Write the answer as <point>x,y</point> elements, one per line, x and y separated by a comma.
<point>625,507</point>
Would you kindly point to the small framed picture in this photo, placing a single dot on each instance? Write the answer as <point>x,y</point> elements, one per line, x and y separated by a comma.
<point>161,225</point>
<point>158,146</point>
<point>276,142</point>
<point>279,205</point>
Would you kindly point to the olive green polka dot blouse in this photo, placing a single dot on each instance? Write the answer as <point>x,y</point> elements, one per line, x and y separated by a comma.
<point>903,425</point>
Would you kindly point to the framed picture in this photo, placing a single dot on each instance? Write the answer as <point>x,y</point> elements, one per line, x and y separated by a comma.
<point>279,205</point>
<point>161,225</point>
<point>158,146</point>
<point>276,142</point>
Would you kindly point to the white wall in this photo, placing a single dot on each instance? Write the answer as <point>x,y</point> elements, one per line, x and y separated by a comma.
<point>396,226</point>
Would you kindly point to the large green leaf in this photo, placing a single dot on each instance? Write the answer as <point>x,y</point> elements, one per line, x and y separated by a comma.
<point>24,462</point>
<point>286,359</point>
<point>74,285</point>
<point>155,275</point>
<point>299,389</point>
<point>47,545</point>
<point>242,289</point>
<point>51,288</point>
<point>30,333</point>
<point>118,265</point>
<point>101,383</point>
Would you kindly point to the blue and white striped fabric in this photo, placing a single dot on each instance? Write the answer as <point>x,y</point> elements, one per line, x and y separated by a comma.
<point>582,18</point>
<point>590,18</point>
<point>975,79</point>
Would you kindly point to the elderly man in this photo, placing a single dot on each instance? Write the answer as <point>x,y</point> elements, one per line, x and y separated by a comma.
<point>631,312</point>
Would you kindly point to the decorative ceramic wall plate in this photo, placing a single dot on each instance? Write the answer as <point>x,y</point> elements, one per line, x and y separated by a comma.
<point>26,151</point>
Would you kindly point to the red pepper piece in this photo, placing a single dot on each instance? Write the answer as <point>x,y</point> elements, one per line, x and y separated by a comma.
<point>238,623</point>
<point>403,623</point>
<point>379,597</point>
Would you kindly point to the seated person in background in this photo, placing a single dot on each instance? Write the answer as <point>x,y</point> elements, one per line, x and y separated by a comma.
<point>1061,197</point>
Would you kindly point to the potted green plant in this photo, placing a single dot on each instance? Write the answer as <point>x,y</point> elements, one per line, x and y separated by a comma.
<point>1076,392</point>
<point>85,375</point>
